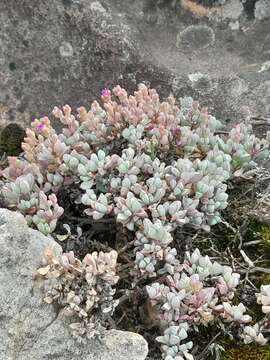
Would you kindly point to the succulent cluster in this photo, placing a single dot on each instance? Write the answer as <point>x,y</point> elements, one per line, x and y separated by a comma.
<point>173,345</point>
<point>263,298</point>
<point>199,292</point>
<point>39,208</point>
<point>148,163</point>
<point>82,288</point>
<point>252,334</point>
<point>154,167</point>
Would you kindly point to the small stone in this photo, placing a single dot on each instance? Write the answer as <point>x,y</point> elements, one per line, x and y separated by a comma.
<point>66,49</point>
<point>195,77</point>
<point>234,25</point>
<point>265,66</point>
<point>232,9</point>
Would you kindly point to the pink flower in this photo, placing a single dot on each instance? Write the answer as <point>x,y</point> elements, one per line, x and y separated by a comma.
<point>105,92</point>
<point>40,126</point>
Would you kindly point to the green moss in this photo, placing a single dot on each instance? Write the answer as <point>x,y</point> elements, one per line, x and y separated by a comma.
<point>254,229</point>
<point>11,138</point>
<point>265,238</point>
<point>247,352</point>
<point>261,232</point>
<point>258,231</point>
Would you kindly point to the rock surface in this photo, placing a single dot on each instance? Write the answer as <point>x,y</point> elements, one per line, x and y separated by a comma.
<point>31,329</point>
<point>65,51</point>
<point>262,10</point>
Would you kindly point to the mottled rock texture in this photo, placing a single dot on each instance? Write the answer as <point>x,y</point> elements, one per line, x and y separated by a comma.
<point>66,51</point>
<point>31,329</point>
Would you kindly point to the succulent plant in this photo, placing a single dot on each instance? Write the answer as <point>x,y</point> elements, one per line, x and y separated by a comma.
<point>47,214</point>
<point>252,334</point>
<point>119,154</point>
<point>199,292</point>
<point>263,298</point>
<point>154,167</point>
<point>173,345</point>
<point>152,243</point>
<point>82,288</point>
<point>234,312</point>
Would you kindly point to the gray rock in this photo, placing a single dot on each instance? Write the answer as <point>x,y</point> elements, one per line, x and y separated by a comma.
<point>31,329</point>
<point>66,51</point>
<point>232,9</point>
<point>262,10</point>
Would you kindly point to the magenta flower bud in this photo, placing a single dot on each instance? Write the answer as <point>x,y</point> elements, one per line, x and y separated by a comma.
<point>105,92</point>
<point>40,126</point>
